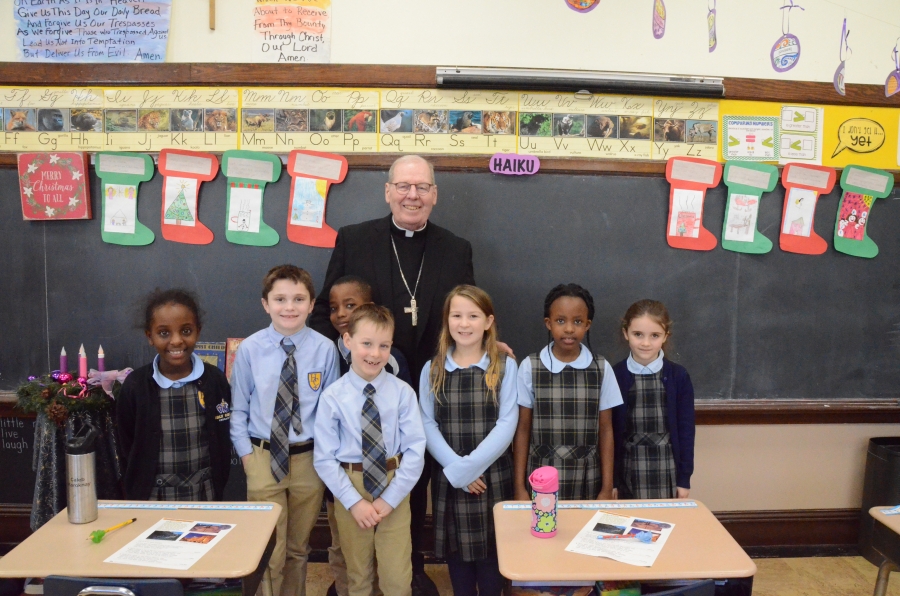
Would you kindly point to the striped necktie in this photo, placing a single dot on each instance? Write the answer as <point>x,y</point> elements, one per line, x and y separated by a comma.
<point>287,411</point>
<point>374,462</point>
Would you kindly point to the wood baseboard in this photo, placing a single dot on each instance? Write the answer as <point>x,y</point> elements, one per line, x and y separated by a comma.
<point>763,534</point>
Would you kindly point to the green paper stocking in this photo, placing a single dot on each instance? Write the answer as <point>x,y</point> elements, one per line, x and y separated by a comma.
<point>746,182</point>
<point>120,174</point>
<point>248,172</point>
<point>861,187</point>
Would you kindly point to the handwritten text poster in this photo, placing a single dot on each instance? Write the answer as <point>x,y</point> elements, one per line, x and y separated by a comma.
<point>292,30</point>
<point>685,127</point>
<point>92,30</point>
<point>51,119</point>
<point>199,119</point>
<point>331,120</point>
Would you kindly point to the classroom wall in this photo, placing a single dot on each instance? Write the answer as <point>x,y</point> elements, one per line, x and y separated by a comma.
<point>785,466</point>
<point>614,36</point>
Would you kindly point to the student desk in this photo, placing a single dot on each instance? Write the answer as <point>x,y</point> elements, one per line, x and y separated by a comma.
<point>886,541</point>
<point>699,547</point>
<point>61,548</point>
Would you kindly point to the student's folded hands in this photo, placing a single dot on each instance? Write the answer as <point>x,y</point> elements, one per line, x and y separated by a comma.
<point>365,514</point>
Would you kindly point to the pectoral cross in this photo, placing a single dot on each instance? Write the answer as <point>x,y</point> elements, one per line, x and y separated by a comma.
<point>413,310</point>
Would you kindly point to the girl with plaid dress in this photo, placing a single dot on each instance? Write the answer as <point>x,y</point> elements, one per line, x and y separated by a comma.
<point>172,416</point>
<point>565,396</point>
<point>655,427</point>
<point>468,402</point>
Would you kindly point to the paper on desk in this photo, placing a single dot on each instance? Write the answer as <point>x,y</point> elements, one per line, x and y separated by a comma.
<point>171,544</point>
<point>627,550</point>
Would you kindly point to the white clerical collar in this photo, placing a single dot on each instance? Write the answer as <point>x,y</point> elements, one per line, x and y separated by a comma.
<point>408,233</point>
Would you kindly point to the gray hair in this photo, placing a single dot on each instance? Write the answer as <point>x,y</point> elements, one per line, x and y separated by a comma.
<point>406,158</point>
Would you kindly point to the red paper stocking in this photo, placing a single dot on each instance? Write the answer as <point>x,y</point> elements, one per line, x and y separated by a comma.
<point>312,174</point>
<point>690,177</point>
<point>183,172</point>
<point>803,184</point>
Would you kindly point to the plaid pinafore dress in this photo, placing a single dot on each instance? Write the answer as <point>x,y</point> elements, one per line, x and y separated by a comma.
<point>564,426</point>
<point>649,463</point>
<point>183,472</point>
<point>466,413</point>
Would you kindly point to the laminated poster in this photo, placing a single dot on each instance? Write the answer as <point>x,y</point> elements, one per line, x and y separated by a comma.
<point>860,136</point>
<point>447,121</point>
<point>800,139</point>
<point>564,125</point>
<point>685,127</point>
<point>331,120</point>
<point>750,138</point>
<point>151,119</point>
<point>292,31</point>
<point>51,119</point>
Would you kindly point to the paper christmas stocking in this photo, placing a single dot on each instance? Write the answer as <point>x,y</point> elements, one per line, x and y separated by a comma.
<point>312,174</point>
<point>861,187</point>
<point>120,174</point>
<point>746,182</point>
<point>690,177</point>
<point>803,184</point>
<point>248,172</point>
<point>184,171</point>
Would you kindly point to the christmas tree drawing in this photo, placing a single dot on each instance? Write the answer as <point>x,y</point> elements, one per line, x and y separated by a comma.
<point>178,210</point>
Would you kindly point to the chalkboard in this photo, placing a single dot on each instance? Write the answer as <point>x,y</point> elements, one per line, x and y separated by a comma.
<point>16,452</point>
<point>777,325</point>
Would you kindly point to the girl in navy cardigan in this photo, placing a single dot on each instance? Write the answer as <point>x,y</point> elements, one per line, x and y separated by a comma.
<point>654,428</point>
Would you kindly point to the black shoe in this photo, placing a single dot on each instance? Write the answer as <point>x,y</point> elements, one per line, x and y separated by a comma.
<point>422,585</point>
<point>332,590</point>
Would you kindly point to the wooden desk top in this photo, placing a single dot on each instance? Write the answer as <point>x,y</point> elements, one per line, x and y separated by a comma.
<point>61,548</point>
<point>699,547</point>
<point>891,521</point>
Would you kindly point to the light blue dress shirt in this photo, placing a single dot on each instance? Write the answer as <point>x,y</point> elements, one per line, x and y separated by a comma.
<point>610,396</point>
<point>639,369</point>
<point>166,383</point>
<point>257,373</point>
<point>339,434</point>
<point>462,471</point>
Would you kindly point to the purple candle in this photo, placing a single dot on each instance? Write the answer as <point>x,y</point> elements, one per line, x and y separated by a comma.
<point>101,360</point>
<point>63,361</point>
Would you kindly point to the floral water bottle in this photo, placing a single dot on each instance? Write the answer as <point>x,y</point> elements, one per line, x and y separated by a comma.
<point>544,495</point>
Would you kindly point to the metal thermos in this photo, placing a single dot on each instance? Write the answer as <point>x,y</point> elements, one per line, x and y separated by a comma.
<point>81,476</point>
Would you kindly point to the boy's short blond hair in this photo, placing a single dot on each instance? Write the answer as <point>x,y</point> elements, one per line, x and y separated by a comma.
<point>379,316</point>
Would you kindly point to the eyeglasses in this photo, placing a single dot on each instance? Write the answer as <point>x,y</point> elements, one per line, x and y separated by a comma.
<point>422,189</point>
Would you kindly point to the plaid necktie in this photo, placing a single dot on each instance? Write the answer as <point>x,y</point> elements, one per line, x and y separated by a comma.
<point>374,457</point>
<point>286,410</point>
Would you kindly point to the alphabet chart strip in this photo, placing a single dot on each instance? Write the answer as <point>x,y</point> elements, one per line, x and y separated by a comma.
<point>330,120</point>
<point>51,119</point>
<point>685,127</point>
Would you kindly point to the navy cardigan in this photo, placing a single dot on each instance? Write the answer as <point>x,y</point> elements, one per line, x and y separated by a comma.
<point>679,412</point>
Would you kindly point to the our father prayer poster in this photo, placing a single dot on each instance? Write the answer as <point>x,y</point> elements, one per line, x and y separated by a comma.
<point>292,31</point>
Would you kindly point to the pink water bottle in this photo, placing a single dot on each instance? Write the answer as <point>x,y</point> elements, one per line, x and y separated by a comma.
<point>544,495</point>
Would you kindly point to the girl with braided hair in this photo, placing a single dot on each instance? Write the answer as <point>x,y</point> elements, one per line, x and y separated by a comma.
<point>565,396</point>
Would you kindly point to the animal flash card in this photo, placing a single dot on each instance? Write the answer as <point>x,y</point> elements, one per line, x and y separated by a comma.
<point>120,175</point>
<point>331,120</point>
<point>566,125</point>
<point>746,182</point>
<point>248,172</point>
<point>447,121</point>
<point>51,119</point>
<point>685,127</point>
<point>690,177</point>
<point>183,172</point>
<point>861,187</point>
<point>189,118</point>
<point>312,173</point>
<point>803,183</point>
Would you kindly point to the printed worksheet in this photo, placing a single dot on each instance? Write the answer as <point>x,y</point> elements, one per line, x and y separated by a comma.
<point>631,540</point>
<point>171,544</point>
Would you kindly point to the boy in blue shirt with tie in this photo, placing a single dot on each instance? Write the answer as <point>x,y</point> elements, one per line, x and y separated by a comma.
<point>369,451</point>
<point>279,373</point>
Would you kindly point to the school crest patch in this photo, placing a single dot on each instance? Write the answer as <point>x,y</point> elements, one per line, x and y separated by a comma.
<point>223,410</point>
<point>202,399</point>
<point>315,379</point>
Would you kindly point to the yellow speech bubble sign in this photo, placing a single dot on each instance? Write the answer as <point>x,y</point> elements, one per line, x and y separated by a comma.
<point>860,135</point>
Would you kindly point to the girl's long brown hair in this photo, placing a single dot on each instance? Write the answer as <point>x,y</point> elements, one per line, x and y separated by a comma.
<point>481,300</point>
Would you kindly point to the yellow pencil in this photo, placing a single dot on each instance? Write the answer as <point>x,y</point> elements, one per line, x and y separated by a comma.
<point>97,535</point>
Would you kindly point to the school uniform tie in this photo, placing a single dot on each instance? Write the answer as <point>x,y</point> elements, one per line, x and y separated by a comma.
<point>374,462</point>
<point>287,411</point>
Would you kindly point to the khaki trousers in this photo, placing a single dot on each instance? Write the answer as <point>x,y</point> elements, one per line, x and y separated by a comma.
<point>300,496</point>
<point>389,543</point>
<point>336,557</point>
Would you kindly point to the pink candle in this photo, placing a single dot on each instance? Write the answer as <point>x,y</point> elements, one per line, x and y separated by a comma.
<point>82,362</point>
<point>63,361</point>
<point>101,360</point>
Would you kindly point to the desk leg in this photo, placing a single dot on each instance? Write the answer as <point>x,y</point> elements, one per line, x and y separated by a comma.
<point>250,584</point>
<point>884,574</point>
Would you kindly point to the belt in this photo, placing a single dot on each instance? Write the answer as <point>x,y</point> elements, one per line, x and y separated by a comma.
<point>294,449</point>
<point>392,464</point>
